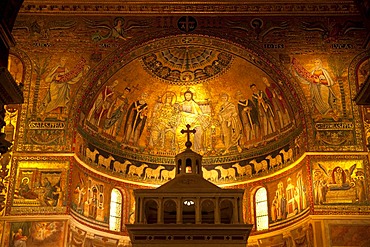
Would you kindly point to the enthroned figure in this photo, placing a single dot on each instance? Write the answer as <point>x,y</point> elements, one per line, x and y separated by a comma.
<point>163,123</point>
<point>191,113</point>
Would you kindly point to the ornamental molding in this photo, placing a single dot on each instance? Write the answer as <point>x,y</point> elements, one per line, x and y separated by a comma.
<point>206,8</point>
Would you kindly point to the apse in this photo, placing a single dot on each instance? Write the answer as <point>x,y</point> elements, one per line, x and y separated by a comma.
<point>239,103</point>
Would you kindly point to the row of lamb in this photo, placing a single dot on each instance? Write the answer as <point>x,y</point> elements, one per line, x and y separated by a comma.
<point>237,170</point>
<point>271,163</point>
<point>217,174</point>
<point>127,168</point>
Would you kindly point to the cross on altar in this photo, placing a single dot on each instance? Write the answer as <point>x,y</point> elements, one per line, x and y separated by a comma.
<point>188,131</point>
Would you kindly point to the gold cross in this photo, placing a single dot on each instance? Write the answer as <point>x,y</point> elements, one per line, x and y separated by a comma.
<point>188,131</point>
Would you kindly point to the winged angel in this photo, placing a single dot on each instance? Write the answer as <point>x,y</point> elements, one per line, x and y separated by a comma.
<point>257,28</point>
<point>41,28</point>
<point>332,31</point>
<point>338,178</point>
<point>326,180</point>
<point>118,30</point>
<point>44,230</point>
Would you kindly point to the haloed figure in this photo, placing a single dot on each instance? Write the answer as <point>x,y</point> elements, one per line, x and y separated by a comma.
<point>322,94</point>
<point>230,124</point>
<point>190,113</point>
<point>60,79</point>
<point>163,123</point>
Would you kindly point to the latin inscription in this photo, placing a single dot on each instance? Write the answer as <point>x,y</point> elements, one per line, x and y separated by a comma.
<point>334,126</point>
<point>342,46</point>
<point>46,125</point>
<point>273,46</point>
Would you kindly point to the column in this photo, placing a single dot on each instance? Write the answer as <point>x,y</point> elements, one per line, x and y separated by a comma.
<point>141,211</point>
<point>235,211</point>
<point>137,210</point>
<point>198,214</point>
<point>160,211</point>
<point>179,210</point>
<point>241,220</point>
<point>217,211</point>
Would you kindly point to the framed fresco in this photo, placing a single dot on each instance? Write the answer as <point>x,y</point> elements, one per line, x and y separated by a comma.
<point>35,233</point>
<point>339,182</point>
<point>40,187</point>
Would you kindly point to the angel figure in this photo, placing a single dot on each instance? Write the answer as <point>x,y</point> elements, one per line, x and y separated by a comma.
<point>258,28</point>
<point>341,179</point>
<point>116,31</point>
<point>332,31</point>
<point>43,230</point>
<point>40,28</point>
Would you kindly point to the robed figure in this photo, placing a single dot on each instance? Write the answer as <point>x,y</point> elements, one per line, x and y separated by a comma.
<point>135,121</point>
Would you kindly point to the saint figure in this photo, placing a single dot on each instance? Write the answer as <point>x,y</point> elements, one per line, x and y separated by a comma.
<point>230,124</point>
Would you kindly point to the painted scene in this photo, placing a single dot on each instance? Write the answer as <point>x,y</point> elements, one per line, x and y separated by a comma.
<point>147,113</point>
<point>35,234</point>
<point>37,185</point>
<point>339,182</point>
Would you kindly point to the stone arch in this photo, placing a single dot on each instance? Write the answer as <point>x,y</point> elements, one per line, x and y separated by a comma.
<point>188,211</point>
<point>126,54</point>
<point>126,201</point>
<point>353,68</point>
<point>98,77</point>
<point>169,211</point>
<point>207,211</point>
<point>151,211</point>
<point>226,211</point>
<point>188,165</point>
<point>28,94</point>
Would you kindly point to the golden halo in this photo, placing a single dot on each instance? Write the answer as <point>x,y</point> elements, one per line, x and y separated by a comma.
<point>169,94</point>
<point>26,178</point>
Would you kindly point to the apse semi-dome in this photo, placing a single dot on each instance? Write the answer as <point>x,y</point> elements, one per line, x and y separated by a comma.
<point>186,65</point>
<point>237,101</point>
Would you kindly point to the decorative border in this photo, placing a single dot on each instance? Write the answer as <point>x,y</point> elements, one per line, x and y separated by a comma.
<point>11,210</point>
<point>162,8</point>
<point>180,81</point>
<point>27,95</point>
